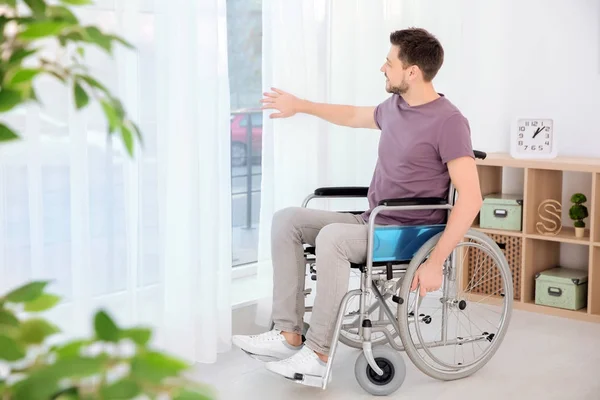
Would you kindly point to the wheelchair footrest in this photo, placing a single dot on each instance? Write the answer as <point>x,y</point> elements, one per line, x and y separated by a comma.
<point>308,380</point>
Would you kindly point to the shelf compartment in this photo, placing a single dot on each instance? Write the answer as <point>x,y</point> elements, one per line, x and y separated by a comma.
<point>490,179</point>
<point>540,255</point>
<point>577,182</point>
<point>504,180</point>
<point>541,185</point>
<point>594,281</point>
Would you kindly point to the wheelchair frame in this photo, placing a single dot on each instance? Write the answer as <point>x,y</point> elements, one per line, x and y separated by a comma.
<point>366,277</point>
<point>370,271</point>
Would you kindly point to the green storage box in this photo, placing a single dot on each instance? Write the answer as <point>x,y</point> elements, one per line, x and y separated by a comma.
<point>562,288</point>
<point>502,211</point>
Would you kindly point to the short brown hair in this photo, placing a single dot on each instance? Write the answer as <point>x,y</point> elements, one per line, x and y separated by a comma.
<point>419,47</point>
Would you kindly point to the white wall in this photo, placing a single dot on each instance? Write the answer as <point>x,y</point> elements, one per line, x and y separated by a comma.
<point>527,58</point>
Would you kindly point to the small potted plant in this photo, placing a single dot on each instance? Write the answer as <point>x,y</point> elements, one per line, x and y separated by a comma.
<point>578,212</point>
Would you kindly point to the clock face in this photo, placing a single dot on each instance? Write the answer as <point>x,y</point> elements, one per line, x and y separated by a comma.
<point>534,137</point>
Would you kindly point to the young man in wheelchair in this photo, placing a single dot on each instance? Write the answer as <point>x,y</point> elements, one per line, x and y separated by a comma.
<point>425,144</point>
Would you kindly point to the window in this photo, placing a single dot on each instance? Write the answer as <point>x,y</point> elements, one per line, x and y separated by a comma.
<point>256,120</point>
<point>244,28</point>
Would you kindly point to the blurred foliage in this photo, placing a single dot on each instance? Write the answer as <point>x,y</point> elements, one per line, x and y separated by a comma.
<point>26,29</point>
<point>115,363</point>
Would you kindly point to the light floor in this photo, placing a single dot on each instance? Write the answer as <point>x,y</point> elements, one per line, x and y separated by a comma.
<point>542,357</point>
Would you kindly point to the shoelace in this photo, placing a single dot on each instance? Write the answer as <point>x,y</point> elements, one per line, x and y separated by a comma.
<point>266,337</point>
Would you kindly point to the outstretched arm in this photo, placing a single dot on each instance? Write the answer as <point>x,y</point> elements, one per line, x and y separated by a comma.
<point>288,105</point>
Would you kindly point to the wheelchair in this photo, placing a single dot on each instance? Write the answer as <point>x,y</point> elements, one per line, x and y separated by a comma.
<point>440,332</point>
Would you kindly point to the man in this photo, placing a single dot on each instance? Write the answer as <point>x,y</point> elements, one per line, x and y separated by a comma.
<point>425,142</point>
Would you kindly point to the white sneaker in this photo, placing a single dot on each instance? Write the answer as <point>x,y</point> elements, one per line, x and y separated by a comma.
<point>267,346</point>
<point>305,367</point>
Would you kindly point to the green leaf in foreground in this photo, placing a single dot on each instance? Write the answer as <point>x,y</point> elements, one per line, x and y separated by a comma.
<point>42,29</point>
<point>111,115</point>
<point>189,395</point>
<point>81,97</point>
<point>62,14</point>
<point>71,349</point>
<point>71,393</point>
<point>105,327</point>
<point>42,303</point>
<point>94,35</point>
<point>155,367</point>
<point>93,82</point>
<point>21,54</point>
<point>9,99</point>
<point>127,138</point>
<point>28,292</point>
<point>43,383</point>
<point>10,350</point>
<point>24,75</point>
<point>8,318</point>
<point>123,389</point>
<point>35,331</point>
<point>76,2</point>
<point>140,336</point>
<point>12,3</point>
<point>122,41</point>
<point>38,7</point>
<point>7,134</point>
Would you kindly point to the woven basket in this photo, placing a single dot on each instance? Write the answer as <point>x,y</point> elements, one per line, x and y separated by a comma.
<point>511,247</point>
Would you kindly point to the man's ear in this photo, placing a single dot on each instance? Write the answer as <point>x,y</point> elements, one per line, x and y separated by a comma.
<point>414,71</point>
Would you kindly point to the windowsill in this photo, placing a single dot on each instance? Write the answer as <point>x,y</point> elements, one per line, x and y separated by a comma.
<point>245,288</point>
<point>244,271</point>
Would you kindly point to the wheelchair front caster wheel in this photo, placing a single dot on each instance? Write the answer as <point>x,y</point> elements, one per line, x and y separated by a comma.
<point>390,362</point>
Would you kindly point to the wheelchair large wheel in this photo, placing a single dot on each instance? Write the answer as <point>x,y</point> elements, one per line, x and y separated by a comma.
<point>470,313</point>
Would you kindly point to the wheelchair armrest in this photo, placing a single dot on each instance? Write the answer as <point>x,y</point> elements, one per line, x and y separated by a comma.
<point>480,154</point>
<point>414,201</point>
<point>342,191</point>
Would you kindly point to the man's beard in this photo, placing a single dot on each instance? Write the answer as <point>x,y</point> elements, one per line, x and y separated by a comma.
<point>399,90</point>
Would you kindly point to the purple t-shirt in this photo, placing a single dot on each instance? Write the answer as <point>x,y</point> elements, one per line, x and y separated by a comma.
<point>415,145</point>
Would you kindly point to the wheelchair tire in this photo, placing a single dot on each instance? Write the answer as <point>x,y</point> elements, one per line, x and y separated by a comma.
<point>394,371</point>
<point>457,372</point>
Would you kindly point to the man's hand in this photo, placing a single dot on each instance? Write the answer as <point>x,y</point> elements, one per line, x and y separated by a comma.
<point>428,277</point>
<point>287,104</point>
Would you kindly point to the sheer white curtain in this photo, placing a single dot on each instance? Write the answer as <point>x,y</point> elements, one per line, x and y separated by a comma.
<point>147,238</point>
<point>331,52</point>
